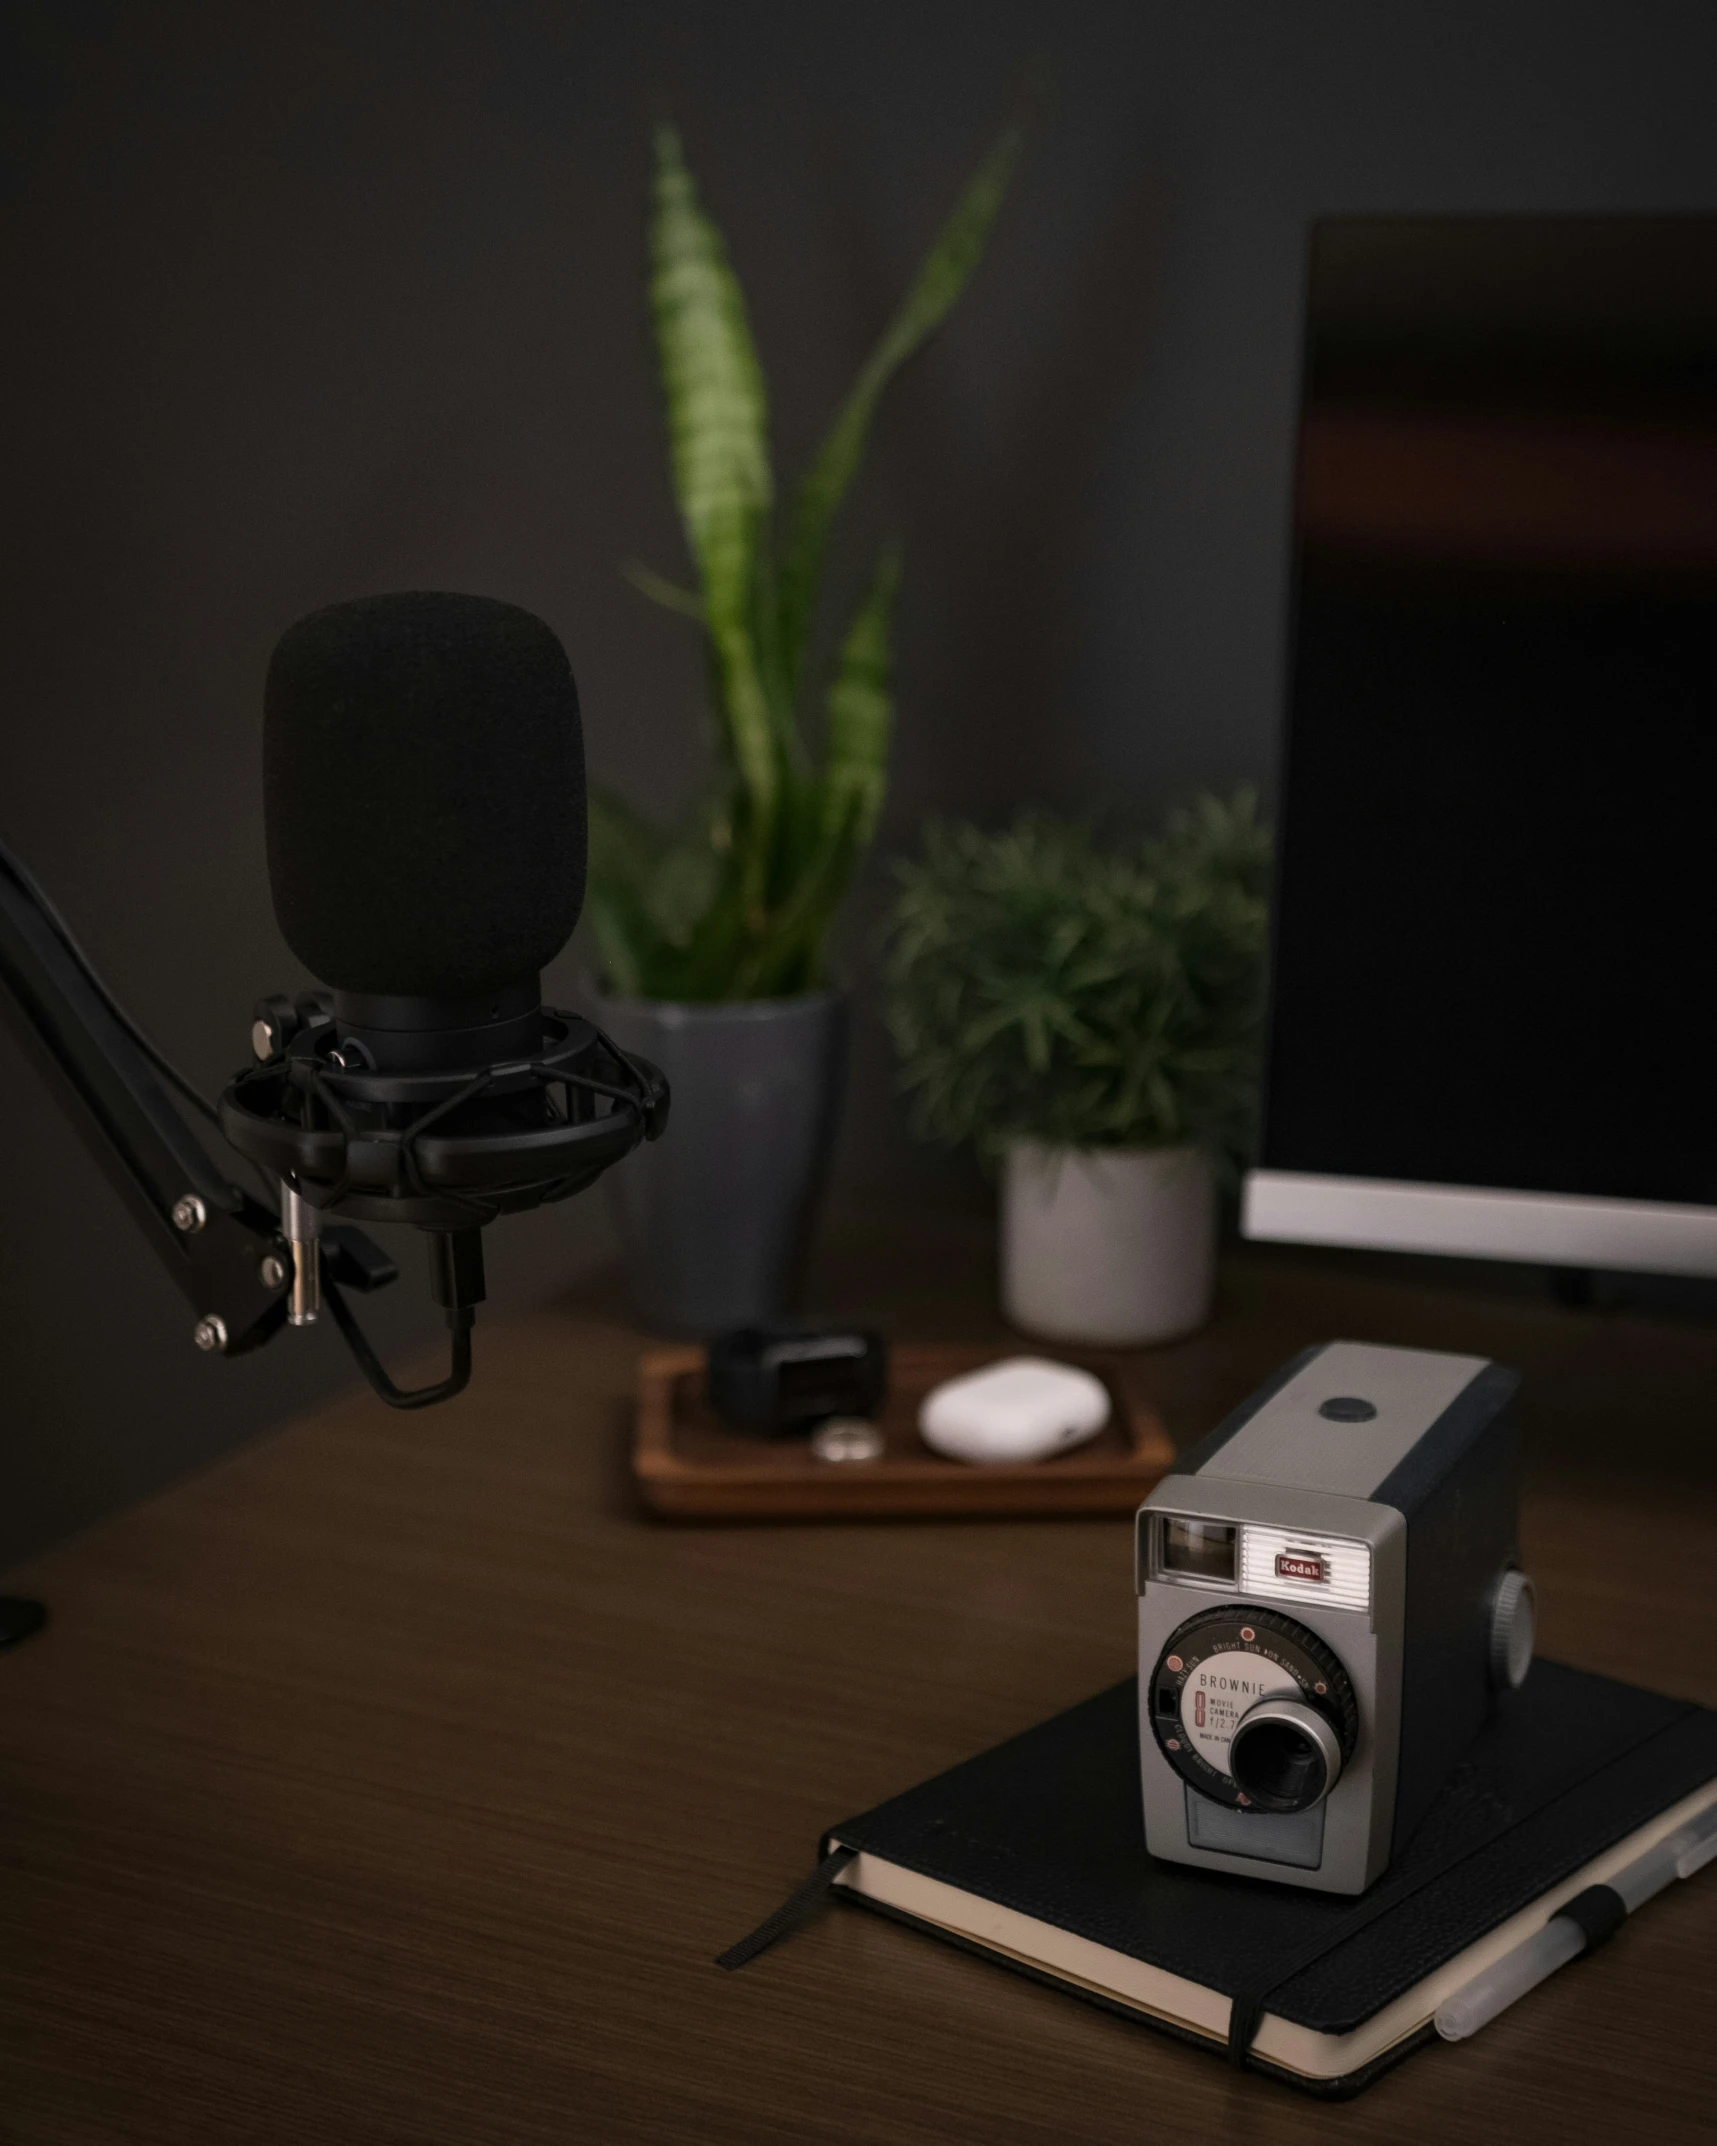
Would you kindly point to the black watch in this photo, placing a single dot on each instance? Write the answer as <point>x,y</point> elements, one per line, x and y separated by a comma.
<point>781,1379</point>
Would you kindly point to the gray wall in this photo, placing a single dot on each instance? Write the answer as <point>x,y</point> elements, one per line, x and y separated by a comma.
<point>307,301</point>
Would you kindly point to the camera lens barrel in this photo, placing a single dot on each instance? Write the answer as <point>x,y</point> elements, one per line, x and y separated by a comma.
<point>1285,1756</point>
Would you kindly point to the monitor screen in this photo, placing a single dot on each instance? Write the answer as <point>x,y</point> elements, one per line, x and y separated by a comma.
<point>1495,959</point>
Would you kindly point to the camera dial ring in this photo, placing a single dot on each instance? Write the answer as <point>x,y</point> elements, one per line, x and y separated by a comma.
<point>1218,1666</point>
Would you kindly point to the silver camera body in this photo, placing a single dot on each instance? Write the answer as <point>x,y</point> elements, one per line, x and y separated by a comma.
<point>1330,1598</point>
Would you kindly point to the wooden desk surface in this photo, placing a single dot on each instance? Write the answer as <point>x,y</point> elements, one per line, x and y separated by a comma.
<point>396,1782</point>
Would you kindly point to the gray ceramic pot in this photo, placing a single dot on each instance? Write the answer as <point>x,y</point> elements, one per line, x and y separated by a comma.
<point>716,1216</point>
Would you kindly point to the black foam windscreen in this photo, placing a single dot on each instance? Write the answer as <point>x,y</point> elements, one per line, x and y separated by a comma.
<point>423,784</point>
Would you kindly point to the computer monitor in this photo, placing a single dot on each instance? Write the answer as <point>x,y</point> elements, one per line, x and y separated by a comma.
<point>1493,1025</point>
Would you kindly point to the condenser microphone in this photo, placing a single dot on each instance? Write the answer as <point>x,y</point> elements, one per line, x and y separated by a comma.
<point>423,784</point>
<point>423,788</point>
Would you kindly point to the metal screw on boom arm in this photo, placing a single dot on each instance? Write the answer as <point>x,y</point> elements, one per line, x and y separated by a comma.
<point>189,1214</point>
<point>210,1334</point>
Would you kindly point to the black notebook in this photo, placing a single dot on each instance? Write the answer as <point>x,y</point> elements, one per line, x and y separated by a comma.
<point>1034,1855</point>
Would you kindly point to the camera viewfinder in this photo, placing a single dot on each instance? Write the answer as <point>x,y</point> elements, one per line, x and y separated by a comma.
<point>1202,1548</point>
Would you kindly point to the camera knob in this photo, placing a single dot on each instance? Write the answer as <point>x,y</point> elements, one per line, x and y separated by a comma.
<point>1513,1629</point>
<point>1285,1755</point>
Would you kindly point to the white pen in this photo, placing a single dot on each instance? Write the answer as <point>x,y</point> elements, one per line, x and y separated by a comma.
<point>1564,1937</point>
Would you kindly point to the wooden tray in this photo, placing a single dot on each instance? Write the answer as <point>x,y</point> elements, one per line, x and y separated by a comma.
<point>689,1465</point>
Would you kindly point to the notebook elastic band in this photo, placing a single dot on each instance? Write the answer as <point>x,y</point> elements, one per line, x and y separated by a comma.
<point>1597,1913</point>
<point>1247,2007</point>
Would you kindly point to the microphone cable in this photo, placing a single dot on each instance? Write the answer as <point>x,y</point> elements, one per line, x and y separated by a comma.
<point>370,1364</point>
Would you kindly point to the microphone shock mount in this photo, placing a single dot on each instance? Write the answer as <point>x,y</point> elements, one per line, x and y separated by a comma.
<point>441,1116</point>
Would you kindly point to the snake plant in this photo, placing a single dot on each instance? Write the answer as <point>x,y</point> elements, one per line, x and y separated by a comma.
<point>738,901</point>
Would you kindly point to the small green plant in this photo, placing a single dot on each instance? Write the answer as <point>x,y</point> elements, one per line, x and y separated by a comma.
<point>1041,985</point>
<point>738,902</point>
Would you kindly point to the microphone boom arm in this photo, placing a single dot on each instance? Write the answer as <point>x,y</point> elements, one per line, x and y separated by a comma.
<point>223,1248</point>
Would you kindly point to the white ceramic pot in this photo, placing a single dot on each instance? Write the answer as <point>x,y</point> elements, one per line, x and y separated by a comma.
<point>1115,1246</point>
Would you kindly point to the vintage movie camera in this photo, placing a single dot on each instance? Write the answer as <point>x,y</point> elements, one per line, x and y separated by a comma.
<point>1330,1598</point>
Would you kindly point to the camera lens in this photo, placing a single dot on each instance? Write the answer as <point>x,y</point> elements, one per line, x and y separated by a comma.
<point>1278,1766</point>
<point>1285,1756</point>
<point>1227,1673</point>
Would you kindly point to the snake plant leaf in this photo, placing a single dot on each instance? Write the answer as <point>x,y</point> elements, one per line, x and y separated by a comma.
<point>838,805</point>
<point>660,590</point>
<point>787,956</point>
<point>624,845</point>
<point>623,942</point>
<point>717,411</point>
<point>718,451</point>
<point>861,710</point>
<point>703,967</point>
<point>946,270</point>
<point>624,852</point>
<point>648,889</point>
<point>683,886</point>
<point>848,798</point>
<point>749,732</point>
